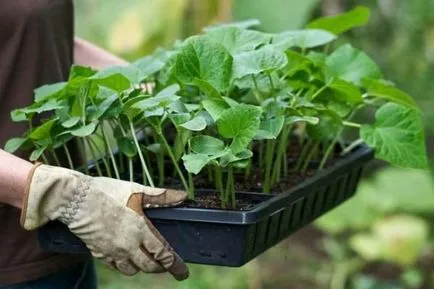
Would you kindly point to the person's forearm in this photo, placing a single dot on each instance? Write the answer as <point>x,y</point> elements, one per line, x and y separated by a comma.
<point>13,175</point>
<point>88,54</point>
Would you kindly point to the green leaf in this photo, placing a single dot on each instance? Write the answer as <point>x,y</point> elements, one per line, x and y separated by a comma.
<point>207,145</point>
<point>265,59</point>
<point>215,107</point>
<point>147,66</point>
<point>179,118</point>
<point>330,123</point>
<point>115,81</point>
<point>270,128</point>
<point>296,62</point>
<point>127,146</point>
<point>36,154</point>
<point>43,131</point>
<point>206,60</point>
<point>238,160</point>
<point>207,88</point>
<point>49,91</point>
<point>154,148</point>
<point>307,38</point>
<point>237,40</point>
<point>397,136</point>
<point>78,71</point>
<point>346,91</point>
<point>71,122</point>
<point>380,89</point>
<point>240,123</point>
<point>308,119</point>
<point>14,144</point>
<point>103,107</point>
<point>84,131</point>
<point>350,64</point>
<point>194,163</point>
<point>341,23</point>
<point>244,24</point>
<point>169,91</point>
<point>198,123</point>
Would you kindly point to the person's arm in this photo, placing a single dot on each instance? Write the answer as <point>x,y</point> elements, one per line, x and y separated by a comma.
<point>88,54</point>
<point>13,175</point>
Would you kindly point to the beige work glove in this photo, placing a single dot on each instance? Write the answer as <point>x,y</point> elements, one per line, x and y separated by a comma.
<point>107,215</point>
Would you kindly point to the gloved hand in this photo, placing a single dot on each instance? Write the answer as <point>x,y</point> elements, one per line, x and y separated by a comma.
<point>107,215</point>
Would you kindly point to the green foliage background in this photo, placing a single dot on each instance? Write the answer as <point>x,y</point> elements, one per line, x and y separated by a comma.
<point>399,36</point>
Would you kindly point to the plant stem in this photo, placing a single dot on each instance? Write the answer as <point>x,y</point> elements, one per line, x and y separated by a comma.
<point>130,166</point>
<point>261,154</point>
<point>191,186</point>
<point>268,163</point>
<point>210,176</point>
<point>230,192</point>
<point>56,159</point>
<point>82,143</point>
<point>68,156</point>
<point>303,155</point>
<point>44,158</point>
<point>318,92</point>
<point>112,157</point>
<point>219,185</point>
<point>175,163</point>
<point>352,146</point>
<point>352,124</point>
<point>310,155</point>
<point>328,152</point>
<point>271,82</point>
<point>106,164</point>
<point>85,94</point>
<point>144,166</point>
<point>257,92</point>
<point>92,152</point>
<point>281,155</point>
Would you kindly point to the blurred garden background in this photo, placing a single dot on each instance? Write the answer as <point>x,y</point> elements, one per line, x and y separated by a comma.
<point>382,238</point>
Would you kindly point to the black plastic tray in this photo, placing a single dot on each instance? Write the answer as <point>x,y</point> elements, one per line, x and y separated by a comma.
<point>232,238</point>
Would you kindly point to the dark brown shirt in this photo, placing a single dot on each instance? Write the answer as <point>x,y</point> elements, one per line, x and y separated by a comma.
<point>36,48</point>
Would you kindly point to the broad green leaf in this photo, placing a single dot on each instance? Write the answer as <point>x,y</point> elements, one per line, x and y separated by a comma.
<point>239,160</point>
<point>328,126</point>
<point>237,40</point>
<point>341,23</point>
<point>179,118</point>
<point>147,66</point>
<point>194,163</point>
<point>307,38</point>
<point>18,115</point>
<point>78,71</point>
<point>198,123</point>
<point>308,119</point>
<point>296,62</point>
<point>127,146</point>
<point>207,145</point>
<point>215,107</point>
<point>169,91</point>
<point>346,91</point>
<point>84,131</point>
<point>71,122</point>
<point>115,81</point>
<point>244,24</point>
<point>49,91</point>
<point>43,131</point>
<point>380,89</point>
<point>270,128</point>
<point>207,88</point>
<point>154,148</point>
<point>397,136</point>
<point>36,154</point>
<point>103,107</point>
<point>367,246</point>
<point>206,60</point>
<point>240,123</point>
<point>14,144</point>
<point>350,64</point>
<point>265,59</point>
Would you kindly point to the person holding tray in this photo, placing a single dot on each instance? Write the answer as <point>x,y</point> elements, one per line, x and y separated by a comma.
<point>37,47</point>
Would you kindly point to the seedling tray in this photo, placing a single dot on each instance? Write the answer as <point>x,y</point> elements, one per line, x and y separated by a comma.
<point>233,238</point>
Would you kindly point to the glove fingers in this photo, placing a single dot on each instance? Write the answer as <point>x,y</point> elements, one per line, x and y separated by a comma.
<point>163,253</point>
<point>143,260</point>
<point>126,267</point>
<point>154,197</point>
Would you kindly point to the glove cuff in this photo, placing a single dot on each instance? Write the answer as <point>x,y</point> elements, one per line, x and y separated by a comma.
<point>26,193</point>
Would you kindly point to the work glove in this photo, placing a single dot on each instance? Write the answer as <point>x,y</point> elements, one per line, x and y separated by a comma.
<point>107,215</point>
